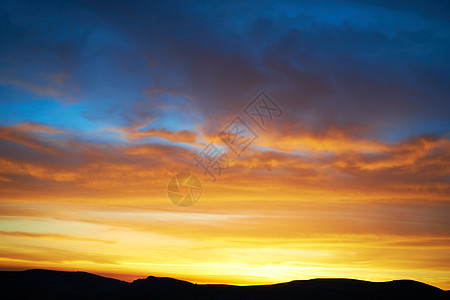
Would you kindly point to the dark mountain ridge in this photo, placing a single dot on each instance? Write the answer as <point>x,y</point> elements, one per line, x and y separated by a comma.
<point>47,284</point>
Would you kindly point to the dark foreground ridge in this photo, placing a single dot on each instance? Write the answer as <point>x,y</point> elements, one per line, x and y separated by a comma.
<point>46,284</point>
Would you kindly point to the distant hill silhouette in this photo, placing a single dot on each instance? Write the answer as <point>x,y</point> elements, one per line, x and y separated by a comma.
<point>47,284</point>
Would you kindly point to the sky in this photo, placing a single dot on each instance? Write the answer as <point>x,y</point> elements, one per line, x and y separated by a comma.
<point>102,103</point>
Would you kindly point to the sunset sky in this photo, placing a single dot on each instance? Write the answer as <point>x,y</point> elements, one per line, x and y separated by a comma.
<point>103,102</point>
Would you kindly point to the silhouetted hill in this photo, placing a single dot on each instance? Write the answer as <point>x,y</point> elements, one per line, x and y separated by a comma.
<point>45,284</point>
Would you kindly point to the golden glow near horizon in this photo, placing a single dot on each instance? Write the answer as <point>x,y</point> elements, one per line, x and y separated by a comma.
<point>241,246</point>
<point>273,217</point>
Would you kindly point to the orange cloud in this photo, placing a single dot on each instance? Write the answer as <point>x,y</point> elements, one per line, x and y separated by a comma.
<point>183,136</point>
<point>36,127</point>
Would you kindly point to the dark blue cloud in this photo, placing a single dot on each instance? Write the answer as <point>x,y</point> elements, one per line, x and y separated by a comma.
<point>380,64</point>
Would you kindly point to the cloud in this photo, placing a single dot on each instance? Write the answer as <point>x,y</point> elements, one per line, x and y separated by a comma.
<point>20,134</point>
<point>333,71</point>
<point>322,162</point>
<point>136,132</point>
<point>36,127</point>
<point>50,236</point>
